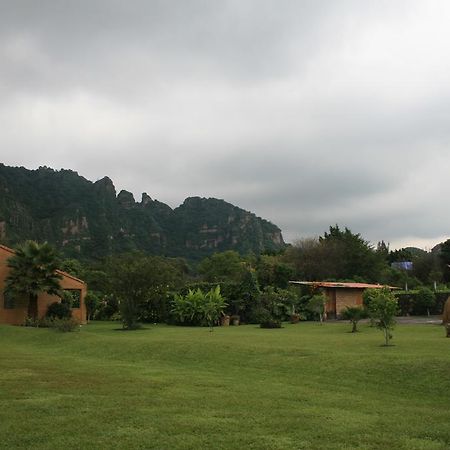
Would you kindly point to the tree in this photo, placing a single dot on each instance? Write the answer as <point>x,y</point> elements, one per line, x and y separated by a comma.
<point>382,309</point>
<point>338,255</point>
<point>224,266</point>
<point>245,295</point>
<point>33,271</point>
<point>309,259</point>
<point>317,305</point>
<point>424,300</point>
<point>92,302</point>
<point>444,255</point>
<point>350,255</point>
<point>143,285</point>
<point>272,271</point>
<point>354,314</point>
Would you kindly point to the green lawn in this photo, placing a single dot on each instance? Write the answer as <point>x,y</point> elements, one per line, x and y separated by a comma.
<point>305,386</point>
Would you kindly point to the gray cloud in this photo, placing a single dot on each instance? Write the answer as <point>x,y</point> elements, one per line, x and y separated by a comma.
<point>307,113</point>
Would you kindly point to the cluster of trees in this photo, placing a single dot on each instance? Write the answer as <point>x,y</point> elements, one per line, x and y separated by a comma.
<point>137,287</point>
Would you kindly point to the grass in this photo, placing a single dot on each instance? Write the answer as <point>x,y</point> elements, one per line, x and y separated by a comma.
<point>304,386</point>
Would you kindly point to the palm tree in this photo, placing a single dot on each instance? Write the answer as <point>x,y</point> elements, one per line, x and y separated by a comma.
<point>32,271</point>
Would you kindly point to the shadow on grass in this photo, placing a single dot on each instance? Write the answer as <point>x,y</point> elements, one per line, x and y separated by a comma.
<point>130,330</point>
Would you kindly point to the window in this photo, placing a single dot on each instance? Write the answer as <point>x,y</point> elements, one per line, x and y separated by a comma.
<point>9,302</point>
<point>72,297</point>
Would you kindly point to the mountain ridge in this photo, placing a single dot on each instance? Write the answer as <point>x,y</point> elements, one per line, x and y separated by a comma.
<point>90,219</point>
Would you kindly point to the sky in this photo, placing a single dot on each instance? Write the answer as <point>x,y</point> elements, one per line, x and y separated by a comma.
<point>307,113</point>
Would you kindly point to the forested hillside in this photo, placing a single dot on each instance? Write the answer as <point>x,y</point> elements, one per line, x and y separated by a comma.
<point>90,220</point>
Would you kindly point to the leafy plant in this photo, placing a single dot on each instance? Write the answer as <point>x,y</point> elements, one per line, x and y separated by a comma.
<point>59,310</point>
<point>213,306</point>
<point>92,302</point>
<point>317,305</point>
<point>198,308</point>
<point>65,324</point>
<point>354,314</point>
<point>382,309</point>
<point>424,300</point>
<point>32,271</point>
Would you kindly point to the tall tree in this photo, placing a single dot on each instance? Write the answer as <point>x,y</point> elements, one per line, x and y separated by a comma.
<point>142,284</point>
<point>338,254</point>
<point>32,271</point>
<point>350,255</point>
<point>224,266</point>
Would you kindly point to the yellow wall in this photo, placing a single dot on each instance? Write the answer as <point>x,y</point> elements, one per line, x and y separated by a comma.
<point>340,298</point>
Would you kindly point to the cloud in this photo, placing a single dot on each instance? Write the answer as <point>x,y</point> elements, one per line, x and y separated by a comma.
<point>307,113</point>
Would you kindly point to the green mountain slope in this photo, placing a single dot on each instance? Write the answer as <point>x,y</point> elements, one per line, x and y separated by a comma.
<point>86,219</point>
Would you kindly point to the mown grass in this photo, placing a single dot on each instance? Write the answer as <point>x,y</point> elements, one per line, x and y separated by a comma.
<point>304,386</point>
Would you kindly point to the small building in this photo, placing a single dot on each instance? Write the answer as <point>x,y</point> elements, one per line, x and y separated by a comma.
<point>340,295</point>
<point>15,312</point>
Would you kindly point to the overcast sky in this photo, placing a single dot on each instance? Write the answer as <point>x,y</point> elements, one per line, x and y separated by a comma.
<point>308,113</point>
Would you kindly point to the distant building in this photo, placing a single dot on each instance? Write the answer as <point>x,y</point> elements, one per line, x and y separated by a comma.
<point>402,265</point>
<point>14,312</point>
<point>340,295</point>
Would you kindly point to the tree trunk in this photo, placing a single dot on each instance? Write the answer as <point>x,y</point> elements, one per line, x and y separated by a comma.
<point>386,336</point>
<point>354,330</point>
<point>33,306</point>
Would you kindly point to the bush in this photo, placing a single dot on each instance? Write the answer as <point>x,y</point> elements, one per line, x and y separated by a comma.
<point>271,323</point>
<point>354,314</point>
<point>383,308</point>
<point>65,325</point>
<point>198,308</point>
<point>59,310</point>
<point>107,308</point>
<point>409,305</point>
<point>424,301</point>
<point>45,322</point>
<point>130,309</point>
<point>92,302</point>
<point>317,305</point>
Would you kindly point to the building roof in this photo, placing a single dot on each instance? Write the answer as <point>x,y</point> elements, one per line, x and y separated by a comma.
<point>337,284</point>
<point>60,272</point>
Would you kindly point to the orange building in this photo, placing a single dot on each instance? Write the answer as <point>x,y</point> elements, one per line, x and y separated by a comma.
<point>14,312</point>
<point>340,295</point>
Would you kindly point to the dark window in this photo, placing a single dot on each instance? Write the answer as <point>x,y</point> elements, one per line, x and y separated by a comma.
<point>9,302</point>
<point>72,297</point>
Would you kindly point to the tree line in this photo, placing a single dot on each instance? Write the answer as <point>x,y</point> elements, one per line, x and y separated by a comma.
<point>136,287</point>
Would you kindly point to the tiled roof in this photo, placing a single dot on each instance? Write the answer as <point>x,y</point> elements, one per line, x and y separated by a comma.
<point>337,284</point>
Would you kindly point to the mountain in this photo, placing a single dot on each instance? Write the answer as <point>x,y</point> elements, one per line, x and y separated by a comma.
<point>90,220</point>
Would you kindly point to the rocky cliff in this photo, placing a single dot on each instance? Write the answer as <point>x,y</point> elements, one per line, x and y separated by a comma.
<point>86,219</point>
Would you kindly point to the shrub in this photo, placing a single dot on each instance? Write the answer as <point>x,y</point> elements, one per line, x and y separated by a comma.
<point>271,323</point>
<point>92,303</point>
<point>354,314</point>
<point>65,325</point>
<point>424,301</point>
<point>213,306</point>
<point>198,308</point>
<point>59,310</point>
<point>382,309</point>
<point>317,305</point>
<point>130,309</point>
<point>45,322</point>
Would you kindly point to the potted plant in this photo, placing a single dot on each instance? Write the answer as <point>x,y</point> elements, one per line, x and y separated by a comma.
<point>295,318</point>
<point>235,319</point>
<point>225,320</point>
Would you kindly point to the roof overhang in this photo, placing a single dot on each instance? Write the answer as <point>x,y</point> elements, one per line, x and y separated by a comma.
<point>343,285</point>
